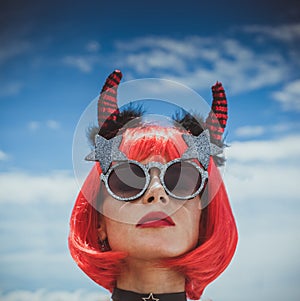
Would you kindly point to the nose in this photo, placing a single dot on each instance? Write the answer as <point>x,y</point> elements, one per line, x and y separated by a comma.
<point>155,192</point>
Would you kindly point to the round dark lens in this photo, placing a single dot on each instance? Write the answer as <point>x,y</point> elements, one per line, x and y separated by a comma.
<point>182,179</point>
<point>127,180</point>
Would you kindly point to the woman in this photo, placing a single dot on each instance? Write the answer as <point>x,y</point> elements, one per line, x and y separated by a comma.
<point>152,220</point>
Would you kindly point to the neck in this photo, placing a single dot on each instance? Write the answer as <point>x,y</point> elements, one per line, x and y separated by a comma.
<point>148,277</point>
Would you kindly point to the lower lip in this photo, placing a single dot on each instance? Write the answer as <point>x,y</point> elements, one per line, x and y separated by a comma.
<point>156,224</point>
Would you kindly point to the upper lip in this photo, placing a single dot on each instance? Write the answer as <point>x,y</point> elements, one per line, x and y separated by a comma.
<point>158,216</point>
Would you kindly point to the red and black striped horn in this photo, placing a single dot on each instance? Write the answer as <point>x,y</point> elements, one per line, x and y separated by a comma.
<point>107,103</point>
<point>217,118</point>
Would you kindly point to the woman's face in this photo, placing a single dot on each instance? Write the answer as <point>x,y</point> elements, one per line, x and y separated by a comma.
<point>155,226</point>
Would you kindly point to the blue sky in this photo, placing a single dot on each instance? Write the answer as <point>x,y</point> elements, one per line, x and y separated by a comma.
<point>54,58</point>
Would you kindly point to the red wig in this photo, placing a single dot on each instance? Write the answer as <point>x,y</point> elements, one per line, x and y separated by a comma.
<point>217,236</point>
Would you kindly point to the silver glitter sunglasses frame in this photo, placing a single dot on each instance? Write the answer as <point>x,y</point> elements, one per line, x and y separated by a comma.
<point>146,168</point>
<point>107,151</point>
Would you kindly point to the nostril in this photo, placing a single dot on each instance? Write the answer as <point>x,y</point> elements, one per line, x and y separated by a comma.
<point>151,199</point>
<point>163,200</point>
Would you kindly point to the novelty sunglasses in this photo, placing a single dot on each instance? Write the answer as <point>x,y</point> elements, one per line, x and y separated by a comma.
<point>181,179</point>
<point>127,180</point>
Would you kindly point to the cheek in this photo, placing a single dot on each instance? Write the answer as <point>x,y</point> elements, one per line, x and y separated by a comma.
<point>196,228</point>
<point>116,236</point>
<point>122,212</point>
<point>126,238</point>
<point>190,223</point>
<point>112,209</point>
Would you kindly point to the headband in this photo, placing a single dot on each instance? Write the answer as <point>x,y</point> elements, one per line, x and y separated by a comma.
<point>106,142</point>
<point>107,150</point>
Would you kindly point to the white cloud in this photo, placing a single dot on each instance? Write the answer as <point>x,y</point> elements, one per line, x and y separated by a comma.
<point>60,295</point>
<point>286,127</point>
<point>258,130</point>
<point>197,61</point>
<point>33,125</point>
<point>262,181</point>
<point>287,147</point>
<point>84,63</point>
<point>284,32</point>
<point>93,46</point>
<point>13,49</point>
<point>289,97</point>
<point>23,188</point>
<point>3,156</point>
<point>264,170</point>
<point>50,124</point>
<point>53,124</point>
<point>194,60</point>
<point>158,59</point>
<point>87,61</point>
<point>186,47</point>
<point>11,88</point>
<point>250,131</point>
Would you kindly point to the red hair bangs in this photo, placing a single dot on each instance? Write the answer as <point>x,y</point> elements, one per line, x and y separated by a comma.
<point>141,143</point>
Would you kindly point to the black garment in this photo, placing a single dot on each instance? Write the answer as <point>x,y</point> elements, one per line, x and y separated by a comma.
<point>123,295</point>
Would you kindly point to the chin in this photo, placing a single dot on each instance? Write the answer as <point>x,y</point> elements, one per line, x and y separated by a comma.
<point>157,250</point>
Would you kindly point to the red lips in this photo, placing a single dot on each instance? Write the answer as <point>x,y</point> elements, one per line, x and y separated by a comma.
<point>155,219</point>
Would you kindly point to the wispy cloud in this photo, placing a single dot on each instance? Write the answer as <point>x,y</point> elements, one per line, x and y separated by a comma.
<point>284,33</point>
<point>93,46</point>
<point>258,130</point>
<point>57,187</point>
<point>250,131</point>
<point>196,61</point>
<point>10,88</point>
<point>287,147</point>
<point>12,48</point>
<point>87,60</point>
<point>3,156</point>
<point>158,60</point>
<point>33,125</point>
<point>289,96</point>
<point>50,124</point>
<point>185,47</point>
<point>84,63</point>
<point>53,124</point>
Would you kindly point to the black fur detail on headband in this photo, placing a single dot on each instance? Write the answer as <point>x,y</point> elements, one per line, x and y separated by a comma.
<point>194,125</point>
<point>112,126</point>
